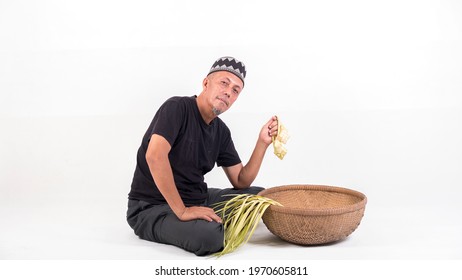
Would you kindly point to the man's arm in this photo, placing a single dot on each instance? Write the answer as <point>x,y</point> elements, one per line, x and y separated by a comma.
<point>161,171</point>
<point>240,176</point>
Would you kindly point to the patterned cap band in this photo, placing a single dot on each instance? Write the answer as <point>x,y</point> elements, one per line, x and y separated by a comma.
<point>229,64</point>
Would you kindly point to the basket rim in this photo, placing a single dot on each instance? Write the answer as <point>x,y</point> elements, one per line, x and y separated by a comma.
<point>316,212</point>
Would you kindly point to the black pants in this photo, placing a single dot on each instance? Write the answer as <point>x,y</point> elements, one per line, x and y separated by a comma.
<point>158,223</point>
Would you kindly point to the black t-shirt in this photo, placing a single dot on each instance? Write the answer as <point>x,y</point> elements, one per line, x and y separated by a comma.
<point>195,148</point>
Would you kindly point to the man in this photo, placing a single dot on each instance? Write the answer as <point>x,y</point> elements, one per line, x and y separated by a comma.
<point>169,201</point>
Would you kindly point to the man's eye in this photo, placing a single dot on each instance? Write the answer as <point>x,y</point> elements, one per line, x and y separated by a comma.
<point>235,91</point>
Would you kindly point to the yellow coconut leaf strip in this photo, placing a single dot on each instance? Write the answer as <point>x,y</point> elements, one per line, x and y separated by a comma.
<point>244,213</point>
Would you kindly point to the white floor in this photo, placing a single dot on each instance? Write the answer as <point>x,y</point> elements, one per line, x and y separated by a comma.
<point>64,182</point>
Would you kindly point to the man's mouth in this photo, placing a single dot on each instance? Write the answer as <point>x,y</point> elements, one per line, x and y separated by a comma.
<point>224,101</point>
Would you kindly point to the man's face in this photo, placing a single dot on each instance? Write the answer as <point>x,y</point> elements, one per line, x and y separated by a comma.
<point>222,89</point>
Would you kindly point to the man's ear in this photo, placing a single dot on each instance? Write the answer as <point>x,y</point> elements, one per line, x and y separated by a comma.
<point>205,82</point>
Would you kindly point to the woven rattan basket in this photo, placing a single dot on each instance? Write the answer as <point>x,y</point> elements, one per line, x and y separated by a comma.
<point>313,214</point>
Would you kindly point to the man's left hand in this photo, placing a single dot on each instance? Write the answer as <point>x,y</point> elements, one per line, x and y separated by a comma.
<point>269,130</point>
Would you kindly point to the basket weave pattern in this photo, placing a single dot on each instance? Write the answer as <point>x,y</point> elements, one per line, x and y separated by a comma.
<point>313,214</point>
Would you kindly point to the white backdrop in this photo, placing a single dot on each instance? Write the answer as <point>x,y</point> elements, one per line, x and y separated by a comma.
<point>369,90</point>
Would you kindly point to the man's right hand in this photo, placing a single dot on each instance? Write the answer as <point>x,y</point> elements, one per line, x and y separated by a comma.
<point>199,212</point>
